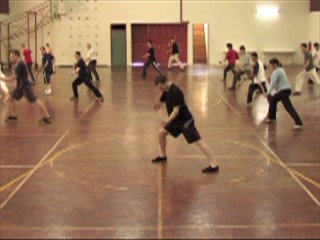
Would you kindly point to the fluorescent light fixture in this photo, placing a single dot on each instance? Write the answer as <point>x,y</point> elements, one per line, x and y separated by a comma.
<point>268,11</point>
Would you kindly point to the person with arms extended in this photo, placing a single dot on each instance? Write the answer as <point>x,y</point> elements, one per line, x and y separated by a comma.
<point>23,88</point>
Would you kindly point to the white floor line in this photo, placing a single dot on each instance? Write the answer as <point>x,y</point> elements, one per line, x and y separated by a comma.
<point>303,164</point>
<point>6,201</point>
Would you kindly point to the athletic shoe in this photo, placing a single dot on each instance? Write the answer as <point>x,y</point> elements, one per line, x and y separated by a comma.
<point>297,127</point>
<point>231,88</point>
<point>269,121</point>
<point>100,99</point>
<point>159,159</point>
<point>296,94</point>
<point>45,120</point>
<point>310,82</point>
<point>74,98</point>
<point>11,119</point>
<point>210,169</point>
<point>33,83</point>
<point>48,91</point>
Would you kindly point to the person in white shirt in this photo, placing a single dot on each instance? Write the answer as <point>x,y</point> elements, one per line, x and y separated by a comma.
<point>3,87</point>
<point>280,84</point>
<point>316,57</point>
<point>259,78</point>
<point>92,62</point>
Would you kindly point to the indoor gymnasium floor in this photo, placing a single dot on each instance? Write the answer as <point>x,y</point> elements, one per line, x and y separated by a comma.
<point>89,175</point>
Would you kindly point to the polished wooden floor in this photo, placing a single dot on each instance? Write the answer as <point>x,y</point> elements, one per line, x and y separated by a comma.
<point>89,175</point>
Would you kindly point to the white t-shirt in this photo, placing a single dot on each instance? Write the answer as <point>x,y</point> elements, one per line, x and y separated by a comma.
<point>261,75</point>
<point>92,54</point>
<point>3,84</point>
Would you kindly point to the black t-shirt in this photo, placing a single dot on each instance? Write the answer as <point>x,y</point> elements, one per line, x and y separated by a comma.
<point>151,54</point>
<point>175,48</point>
<point>174,97</point>
<point>21,74</point>
<point>83,68</point>
<point>47,62</point>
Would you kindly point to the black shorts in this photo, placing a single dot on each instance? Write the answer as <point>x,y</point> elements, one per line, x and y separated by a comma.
<point>188,130</point>
<point>25,91</point>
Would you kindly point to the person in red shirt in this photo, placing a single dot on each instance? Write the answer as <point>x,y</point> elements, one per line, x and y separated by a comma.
<point>27,53</point>
<point>231,56</point>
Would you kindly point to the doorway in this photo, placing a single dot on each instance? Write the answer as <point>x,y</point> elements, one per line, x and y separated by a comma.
<point>118,45</point>
<point>201,43</point>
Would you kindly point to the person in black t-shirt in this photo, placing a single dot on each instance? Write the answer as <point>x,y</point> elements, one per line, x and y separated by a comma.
<point>180,120</point>
<point>174,50</point>
<point>23,88</point>
<point>81,70</point>
<point>47,67</point>
<point>151,59</point>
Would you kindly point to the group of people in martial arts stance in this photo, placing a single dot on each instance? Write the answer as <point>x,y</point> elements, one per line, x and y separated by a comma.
<point>180,120</point>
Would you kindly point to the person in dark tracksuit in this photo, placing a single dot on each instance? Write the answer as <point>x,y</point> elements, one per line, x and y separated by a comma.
<point>81,70</point>
<point>151,59</point>
<point>47,67</point>
<point>279,83</point>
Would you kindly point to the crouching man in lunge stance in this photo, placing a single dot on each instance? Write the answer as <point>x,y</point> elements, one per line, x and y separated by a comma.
<point>180,121</point>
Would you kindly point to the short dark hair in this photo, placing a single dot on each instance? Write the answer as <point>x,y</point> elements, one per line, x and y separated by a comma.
<point>316,44</point>
<point>160,80</point>
<point>16,52</point>
<point>275,61</point>
<point>254,54</point>
<point>78,53</point>
<point>42,48</point>
<point>149,41</point>
<point>229,45</point>
<point>303,45</point>
<point>47,44</point>
<point>242,48</point>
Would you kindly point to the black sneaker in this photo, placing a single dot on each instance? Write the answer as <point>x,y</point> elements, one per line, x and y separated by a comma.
<point>210,169</point>
<point>45,120</point>
<point>231,88</point>
<point>159,159</point>
<point>310,82</point>
<point>11,119</point>
<point>296,94</point>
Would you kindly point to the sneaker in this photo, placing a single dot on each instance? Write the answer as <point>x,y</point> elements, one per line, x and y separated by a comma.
<point>310,82</point>
<point>296,94</point>
<point>100,99</point>
<point>210,169</point>
<point>269,121</point>
<point>231,88</point>
<point>45,120</point>
<point>11,119</point>
<point>33,83</point>
<point>297,127</point>
<point>159,159</point>
<point>74,98</point>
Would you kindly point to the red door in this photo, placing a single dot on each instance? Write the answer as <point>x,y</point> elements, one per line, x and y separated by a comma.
<point>160,35</point>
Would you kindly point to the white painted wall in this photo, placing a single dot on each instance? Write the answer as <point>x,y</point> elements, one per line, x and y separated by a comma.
<point>233,21</point>
<point>314,28</point>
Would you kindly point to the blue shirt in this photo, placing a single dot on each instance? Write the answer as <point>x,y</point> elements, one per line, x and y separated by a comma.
<point>279,81</point>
